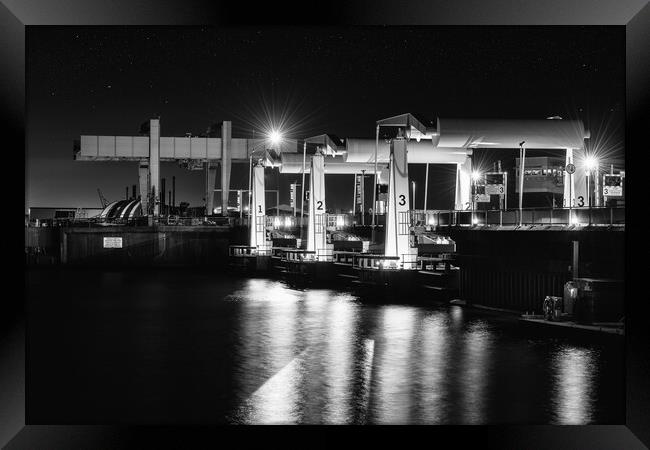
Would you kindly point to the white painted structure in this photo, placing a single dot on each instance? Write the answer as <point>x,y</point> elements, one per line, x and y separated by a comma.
<point>258,211</point>
<point>397,218</point>
<point>317,226</point>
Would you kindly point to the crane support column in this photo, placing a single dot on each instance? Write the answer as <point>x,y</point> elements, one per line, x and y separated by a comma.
<point>463,184</point>
<point>397,214</point>
<point>317,227</point>
<point>258,210</point>
<point>569,189</point>
<point>226,145</point>
<point>154,164</point>
<point>143,176</point>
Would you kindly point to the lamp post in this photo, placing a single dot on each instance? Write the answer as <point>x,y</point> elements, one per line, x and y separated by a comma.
<point>413,185</point>
<point>363,197</point>
<point>374,190</point>
<point>522,164</point>
<point>302,187</point>
<point>426,186</point>
<point>591,164</point>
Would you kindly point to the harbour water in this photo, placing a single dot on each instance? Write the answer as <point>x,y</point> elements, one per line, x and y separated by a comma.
<point>181,346</point>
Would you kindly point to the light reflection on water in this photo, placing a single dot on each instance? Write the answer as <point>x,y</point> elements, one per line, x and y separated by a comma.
<point>201,348</point>
<point>391,386</point>
<point>320,356</point>
<point>573,382</point>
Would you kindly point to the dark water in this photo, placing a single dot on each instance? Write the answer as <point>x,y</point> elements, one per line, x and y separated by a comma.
<point>187,347</point>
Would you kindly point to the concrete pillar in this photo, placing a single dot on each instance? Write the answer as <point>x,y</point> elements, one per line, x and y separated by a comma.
<point>226,145</point>
<point>258,210</point>
<point>577,183</point>
<point>463,184</point>
<point>210,181</point>
<point>154,163</point>
<point>143,176</point>
<point>580,178</point>
<point>317,227</point>
<point>397,214</point>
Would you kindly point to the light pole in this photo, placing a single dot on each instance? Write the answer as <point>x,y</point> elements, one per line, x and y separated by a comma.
<point>426,186</point>
<point>413,185</point>
<point>302,187</point>
<point>522,164</point>
<point>374,190</point>
<point>363,197</point>
<point>250,193</point>
<point>591,164</point>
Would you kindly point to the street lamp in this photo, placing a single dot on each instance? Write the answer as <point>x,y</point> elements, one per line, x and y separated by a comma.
<point>275,137</point>
<point>591,164</point>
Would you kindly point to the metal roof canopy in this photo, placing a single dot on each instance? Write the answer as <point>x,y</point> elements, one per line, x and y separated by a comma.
<point>404,120</point>
<point>323,139</point>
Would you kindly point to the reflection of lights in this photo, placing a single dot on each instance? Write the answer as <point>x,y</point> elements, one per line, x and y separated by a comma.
<point>475,221</point>
<point>573,383</point>
<point>340,221</point>
<point>394,373</point>
<point>574,221</point>
<point>431,221</point>
<point>287,222</point>
<point>273,376</point>
<point>214,211</point>
<point>434,353</point>
<point>341,313</point>
<point>476,175</point>
<point>474,381</point>
<point>276,222</point>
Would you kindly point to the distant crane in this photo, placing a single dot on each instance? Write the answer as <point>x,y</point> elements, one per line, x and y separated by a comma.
<point>102,199</point>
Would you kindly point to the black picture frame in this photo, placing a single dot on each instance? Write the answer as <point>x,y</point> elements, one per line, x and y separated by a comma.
<point>634,15</point>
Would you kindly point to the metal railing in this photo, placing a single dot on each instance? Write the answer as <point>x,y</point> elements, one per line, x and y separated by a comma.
<point>579,216</point>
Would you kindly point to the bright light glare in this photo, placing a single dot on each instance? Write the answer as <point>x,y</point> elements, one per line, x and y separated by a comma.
<point>476,175</point>
<point>275,137</point>
<point>591,163</point>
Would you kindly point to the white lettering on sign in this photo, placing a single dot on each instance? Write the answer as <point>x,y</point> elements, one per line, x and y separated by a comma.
<point>112,242</point>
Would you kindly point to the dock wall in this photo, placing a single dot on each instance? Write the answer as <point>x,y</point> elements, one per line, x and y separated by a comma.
<point>516,270</point>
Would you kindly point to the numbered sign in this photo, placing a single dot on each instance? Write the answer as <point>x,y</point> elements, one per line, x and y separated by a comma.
<point>612,185</point>
<point>495,183</point>
<point>482,198</point>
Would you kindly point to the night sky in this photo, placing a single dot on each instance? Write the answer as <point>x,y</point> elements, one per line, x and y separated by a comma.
<point>108,80</point>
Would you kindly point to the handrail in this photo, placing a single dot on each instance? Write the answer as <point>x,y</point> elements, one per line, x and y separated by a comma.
<point>595,216</point>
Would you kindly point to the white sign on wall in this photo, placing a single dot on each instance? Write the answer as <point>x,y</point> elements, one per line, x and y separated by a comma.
<point>112,242</point>
<point>612,185</point>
